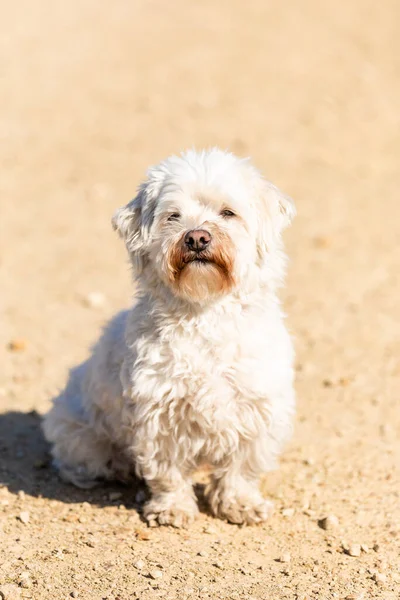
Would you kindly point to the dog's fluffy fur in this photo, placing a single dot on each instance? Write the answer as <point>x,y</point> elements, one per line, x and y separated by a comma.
<point>199,371</point>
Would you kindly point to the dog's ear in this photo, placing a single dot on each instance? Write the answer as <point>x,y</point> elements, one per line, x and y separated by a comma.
<point>277,212</point>
<point>133,222</point>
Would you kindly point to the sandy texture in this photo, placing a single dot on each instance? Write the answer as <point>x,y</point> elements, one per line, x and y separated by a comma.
<point>90,94</point>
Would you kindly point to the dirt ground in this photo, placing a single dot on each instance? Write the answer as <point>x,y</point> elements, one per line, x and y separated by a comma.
<point>91,93</point>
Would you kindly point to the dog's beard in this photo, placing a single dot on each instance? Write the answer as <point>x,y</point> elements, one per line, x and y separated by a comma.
<point>200,276</point>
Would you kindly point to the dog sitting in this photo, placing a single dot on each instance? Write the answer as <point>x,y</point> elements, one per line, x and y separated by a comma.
<point>200,370</point>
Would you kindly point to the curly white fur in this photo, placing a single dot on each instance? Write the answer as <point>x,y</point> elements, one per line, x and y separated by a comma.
<point>200,369</point>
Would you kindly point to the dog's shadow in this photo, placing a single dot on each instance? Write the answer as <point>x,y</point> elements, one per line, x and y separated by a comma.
<point>25,466</point>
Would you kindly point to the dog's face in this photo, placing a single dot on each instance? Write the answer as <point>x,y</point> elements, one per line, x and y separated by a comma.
<point>203,224</point>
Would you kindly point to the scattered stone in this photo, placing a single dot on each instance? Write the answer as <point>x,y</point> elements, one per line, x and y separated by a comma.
<point>327,383</point>
<point>74,594</point>
<point>209,529</point>
<point>94,300</point>
<point>155,574</point>
<point>203,553</point>
<point>354,550</point>
<point>139,564</point>
<point>152,523</point>
<point>142,535</point>
<point>17,345</point>
<point>288,512</point>
<point>114,496</point>
<point>285,558</point>
<point>379,578</point>
<point>25,580</point>
<point>376,547</point>
<point>329,522</point>
<point>345,545</point>
<point>309,461</point>
<point>365,548</point>
<point>21,495</point>
<point>355,596</point>
<point>218,565</point>
<point>24,517</point>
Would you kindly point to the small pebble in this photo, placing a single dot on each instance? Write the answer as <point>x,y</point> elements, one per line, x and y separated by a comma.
<point>142,535</point>
<point>218,565</point>
<point>376,547</point>
<point>24,517</point>
<point>329,522</point>
<point>74,594</point>
<point>365,548</point>
<point>209,529</point>
<point>345,545</point>
<point>155,574</point>
<point>354,550</point>
<point>94,300</point>
<point>139,564</point>
<point>17,345</point>
<point>288,512</point>
<point>285,558</point>
<point>21,495</point>
<point>379,578</point>
<point>203,553</point>
<point>152,523</point>
<point>24,580</point>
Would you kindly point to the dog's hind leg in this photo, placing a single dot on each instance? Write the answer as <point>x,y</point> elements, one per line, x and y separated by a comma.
<point>82,453</point>
<point>80,456</point>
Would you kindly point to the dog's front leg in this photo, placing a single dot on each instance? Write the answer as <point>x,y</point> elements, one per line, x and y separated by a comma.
<point>167,476</point>
<point>173,501</point>
<point>234,494</point>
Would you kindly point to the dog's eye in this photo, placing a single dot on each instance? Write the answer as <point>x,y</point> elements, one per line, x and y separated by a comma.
<point>174,217</point>
<point>227,213</point>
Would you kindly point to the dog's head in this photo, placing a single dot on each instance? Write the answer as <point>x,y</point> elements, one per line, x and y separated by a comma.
<point>204,224</point>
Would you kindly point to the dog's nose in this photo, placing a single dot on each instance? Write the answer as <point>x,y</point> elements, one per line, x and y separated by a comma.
<point>197,239</point>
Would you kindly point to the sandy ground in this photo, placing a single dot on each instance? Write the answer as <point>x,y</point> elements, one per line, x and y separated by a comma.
<point>90,94</point>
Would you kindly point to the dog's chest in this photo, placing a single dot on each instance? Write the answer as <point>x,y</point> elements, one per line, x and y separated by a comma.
<point>208,365</point>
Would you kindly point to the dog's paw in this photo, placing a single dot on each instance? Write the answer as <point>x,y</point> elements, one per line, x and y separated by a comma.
<point>78,476</point>
<point>176,516</point>
<point>241,513</point>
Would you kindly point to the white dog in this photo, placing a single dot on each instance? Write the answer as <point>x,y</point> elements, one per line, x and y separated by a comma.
<point>199,371</point>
